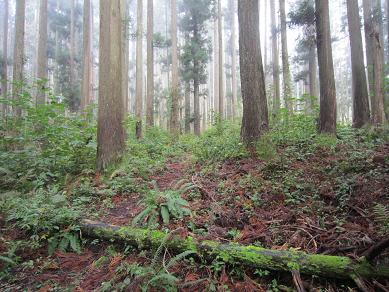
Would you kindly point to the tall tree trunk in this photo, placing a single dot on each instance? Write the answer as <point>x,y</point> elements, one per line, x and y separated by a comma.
<point>327,122</point>
<point>56,56</point>
<point>187,108</point>
<point>174,115</point>
<point>221,62</point>
<point>276,66</point>
<point>72,49</point>
<point>266,37</point>
<point>216,66</point>
<point>312,71</point>
<point>361,112</point>
<point>18,60</point>
<point>367,19</point>
<point>110,130</point>
<point>255,114</point>
<point>377,100</point>
<point>87,56</point>
<point>139,74</point>
<point>42,52</point>
<point>125,53</point>
<point>285,59</point>
<point>196,101</point>
<point>4,73</point>
<point>233,61</point>
<point>150,66</point>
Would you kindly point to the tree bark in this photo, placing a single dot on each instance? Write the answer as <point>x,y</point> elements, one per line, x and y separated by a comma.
<point>250,256</point>
<point>377,100</point>
<point>86,89</point>
<point>361,112</point>
<point>276,66</point>
<point>150,65</point>
<point>221,62</point>
<point>233,61</point>
<point>139,74</point>
<point>327,123</point>
<point>255,113</point>
<point>368,25</point>
<point>42,53</point>
<point>312,71</point>
<point>110,129</point>
<point>196,87</point>
<point>72,48</point>
<point>285,59</point>
<point>187,108</point>
<point>18,76</point>
<point>125,53</point>
<point>4,73</point>
<point>174,116</point>
<point>216,67</point>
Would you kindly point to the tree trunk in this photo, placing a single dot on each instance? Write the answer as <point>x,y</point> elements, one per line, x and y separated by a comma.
<point>56,56</point>
<point>276,66</point>
<point>285,59</point>
<point>221,62</point>
<point>250,256</point>
<point>42,53</point>
<point>18,76</point>
<point>361,112</point>
<point>377,100</point>
<point>233,61</point>
<point>266,37</point>
<point>110,130</point>
<point>174,115</point>
<point>327,123</point>
<point>255,113</point>
<point>86,89</point>
<point>139,74</point>
<point>125,52</point>
<point>187,108</point>
<point>4,73</point>
<point>216,67</point>
<point>196,102</point>
<point>150,65</point>
<point>312,69</point>
<point>368,25</point>
<point>72,49</point>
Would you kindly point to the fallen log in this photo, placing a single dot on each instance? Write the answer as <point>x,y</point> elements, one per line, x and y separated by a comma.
<point>250,256</point>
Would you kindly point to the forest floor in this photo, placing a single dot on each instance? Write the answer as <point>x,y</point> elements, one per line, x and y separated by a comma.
<point>325,199</point>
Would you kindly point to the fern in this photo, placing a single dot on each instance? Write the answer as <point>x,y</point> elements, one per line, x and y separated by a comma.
<point>178,258</point>
<point>381,215</point>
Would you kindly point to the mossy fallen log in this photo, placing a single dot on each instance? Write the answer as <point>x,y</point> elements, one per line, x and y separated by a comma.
<point>250,256</point>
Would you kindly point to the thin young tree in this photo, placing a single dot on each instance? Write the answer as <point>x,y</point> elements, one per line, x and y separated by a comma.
<point>86,90</point>
<point>174,116</point>
<point>110,129</point>
<point>139,74</point>
<point>361,112</point>
<point>255,113</point>
<point>327,122</point>
<point>4,73</point>
<point>18,59</point>
<point>150,65</point>
<point>221,62</point>
<point>285,59</point>
<point>275,61</point>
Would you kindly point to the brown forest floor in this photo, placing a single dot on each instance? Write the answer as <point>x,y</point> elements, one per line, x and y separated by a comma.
<point>299,204</point>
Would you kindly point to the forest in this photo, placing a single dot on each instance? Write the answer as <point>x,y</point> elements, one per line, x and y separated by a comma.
<point>194,145</point>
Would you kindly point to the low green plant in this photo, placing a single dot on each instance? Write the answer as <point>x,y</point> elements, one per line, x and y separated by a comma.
<point>162,204</point>
<point>381,216</point>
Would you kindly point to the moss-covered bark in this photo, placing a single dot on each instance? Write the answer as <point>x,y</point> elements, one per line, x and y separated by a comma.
<point>252,256</point>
